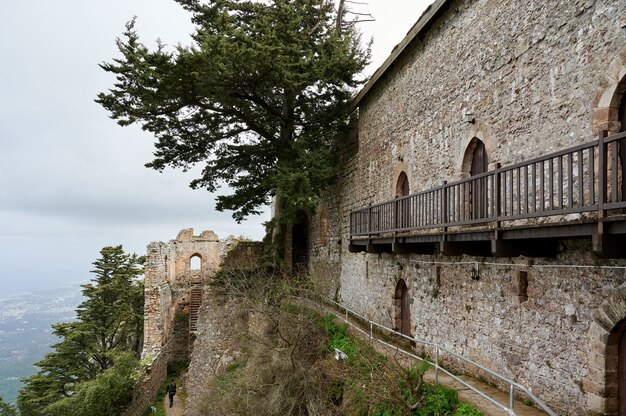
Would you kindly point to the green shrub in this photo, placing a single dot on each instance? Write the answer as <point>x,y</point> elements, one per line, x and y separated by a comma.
<point>465,409</point>
<point>438,401</point>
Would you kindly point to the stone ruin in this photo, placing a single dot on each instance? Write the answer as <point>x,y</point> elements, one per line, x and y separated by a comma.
<point>176,273</point>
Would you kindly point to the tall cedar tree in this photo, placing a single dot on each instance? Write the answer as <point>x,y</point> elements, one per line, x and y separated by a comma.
<point>109,321</point>
<point>7,409</point>
<point>259,99</point>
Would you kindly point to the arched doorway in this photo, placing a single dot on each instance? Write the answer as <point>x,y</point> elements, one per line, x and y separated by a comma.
<point>402,307</point>
<point>622,144</point>
<point>476,162</point>
<point>402,206</point>
<point>615,383</point>
<point>402,185</point>
<point>616,366</point>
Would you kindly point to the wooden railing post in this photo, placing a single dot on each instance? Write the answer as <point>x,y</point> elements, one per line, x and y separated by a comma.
<point>497,196</point>
<point>602,171</point>
<point>598,239</point>
<point>444,204</point>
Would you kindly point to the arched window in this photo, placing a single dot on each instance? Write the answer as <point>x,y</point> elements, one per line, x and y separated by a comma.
<point>195,263</point>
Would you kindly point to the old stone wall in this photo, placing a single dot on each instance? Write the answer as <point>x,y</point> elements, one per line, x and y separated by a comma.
<point>242,255</point>
<point>530,73</point>
<point>542,340</point>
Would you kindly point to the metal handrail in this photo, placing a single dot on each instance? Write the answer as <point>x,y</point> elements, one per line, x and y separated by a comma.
<point>438,349</point>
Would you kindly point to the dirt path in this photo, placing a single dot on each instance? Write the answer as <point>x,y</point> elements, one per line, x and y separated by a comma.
<point>178,409</point>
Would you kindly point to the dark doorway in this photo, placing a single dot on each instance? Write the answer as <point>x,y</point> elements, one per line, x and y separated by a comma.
<point>478,189</point>
<point>622,373</point>
<point>622,145</point>
<point>402,308</point>
<point>300,244</point>
<point>402,206</point>
<point>615,369</point>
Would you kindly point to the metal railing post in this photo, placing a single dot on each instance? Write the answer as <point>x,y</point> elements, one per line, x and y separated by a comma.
<point>436,364</point>
<point>512,400</point>
<point>371,331</point>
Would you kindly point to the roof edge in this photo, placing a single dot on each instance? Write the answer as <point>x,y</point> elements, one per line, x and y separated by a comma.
<point>427,17</point>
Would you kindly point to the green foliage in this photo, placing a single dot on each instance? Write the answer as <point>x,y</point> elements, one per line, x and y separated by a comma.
<point>465,409</point>
<point>7,409</point>
<point>438,401</point>
<point>259,99</point>
<point>177,367</point>
<point>109,321</point>
<point>106,395</point>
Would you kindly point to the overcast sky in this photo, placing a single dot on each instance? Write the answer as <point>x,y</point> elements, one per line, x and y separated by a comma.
<point>71,180</point>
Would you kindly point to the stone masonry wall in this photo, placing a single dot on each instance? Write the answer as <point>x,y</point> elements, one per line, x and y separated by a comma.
<point>529,72</point>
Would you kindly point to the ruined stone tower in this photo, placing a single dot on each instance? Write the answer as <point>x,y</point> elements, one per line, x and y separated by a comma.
<point>175,275</point>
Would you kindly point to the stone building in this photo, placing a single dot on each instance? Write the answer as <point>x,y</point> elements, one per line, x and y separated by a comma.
<point>175,276</point>
<point>481,205</point>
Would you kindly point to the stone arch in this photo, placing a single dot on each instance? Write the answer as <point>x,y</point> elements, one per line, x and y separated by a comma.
<point>195,262</point>
<point>402,308</point>
<point>610,107</point>
<point>607,101</point>
<point>607,332</point>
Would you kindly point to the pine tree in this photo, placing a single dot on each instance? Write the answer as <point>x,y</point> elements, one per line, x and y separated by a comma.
<point>259,100</point>
<point>109,321</point>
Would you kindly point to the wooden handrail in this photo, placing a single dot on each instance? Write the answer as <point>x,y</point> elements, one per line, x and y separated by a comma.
<point>559,183</point>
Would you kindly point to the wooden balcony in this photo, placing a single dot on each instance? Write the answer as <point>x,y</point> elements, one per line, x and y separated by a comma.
<point>523,209</point>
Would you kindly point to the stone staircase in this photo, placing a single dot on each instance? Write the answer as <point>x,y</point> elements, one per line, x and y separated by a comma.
<point>194,307</point>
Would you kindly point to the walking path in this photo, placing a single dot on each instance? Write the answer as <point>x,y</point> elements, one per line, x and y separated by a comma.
<point>178,409</point>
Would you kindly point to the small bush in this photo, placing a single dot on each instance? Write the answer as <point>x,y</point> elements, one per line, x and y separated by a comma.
<point>465,409</point>
<point>438,401</point>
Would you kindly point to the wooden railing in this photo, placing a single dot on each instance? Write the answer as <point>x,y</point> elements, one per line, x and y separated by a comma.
<point>584,178</point>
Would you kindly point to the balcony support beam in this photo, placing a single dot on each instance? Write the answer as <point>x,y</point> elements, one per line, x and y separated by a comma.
<point>378,248</point>
<point>609,246</point>
<point>412,248</point>
<point>471,248</point>
<point>526,247</point>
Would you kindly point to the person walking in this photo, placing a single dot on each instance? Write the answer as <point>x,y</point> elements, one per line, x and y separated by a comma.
<point>171,391</point>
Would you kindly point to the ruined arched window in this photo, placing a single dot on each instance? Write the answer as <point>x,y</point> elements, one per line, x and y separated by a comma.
<point>195,263</point>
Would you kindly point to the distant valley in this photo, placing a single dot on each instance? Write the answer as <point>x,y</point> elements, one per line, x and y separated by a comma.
<point>26,332</point>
